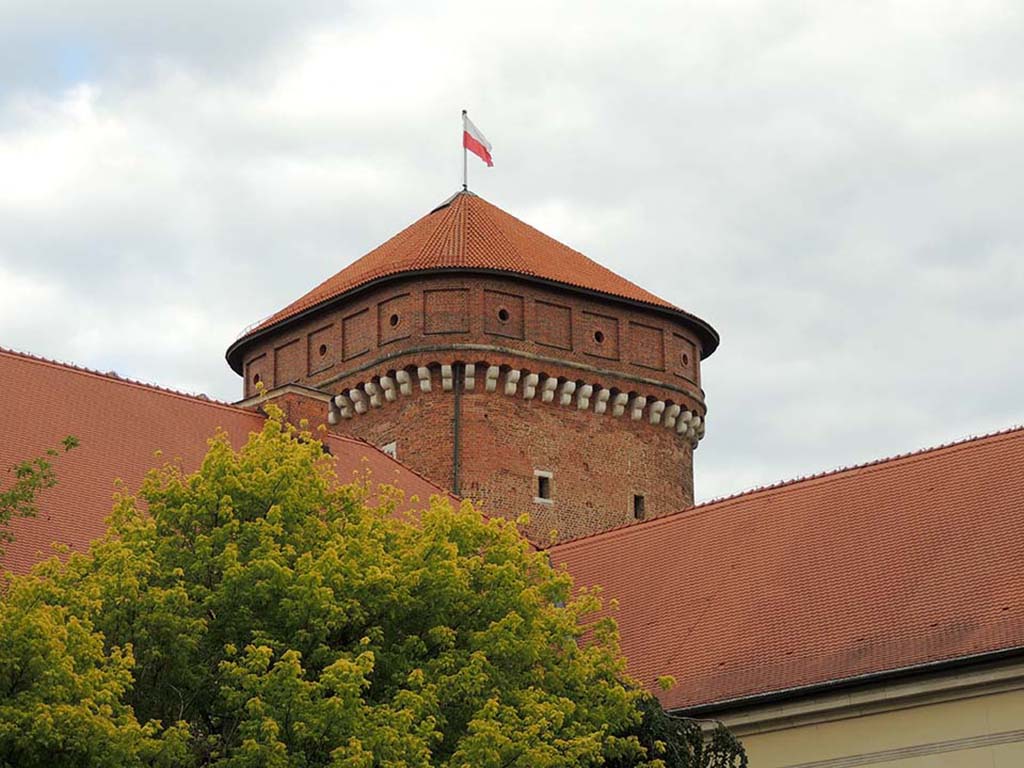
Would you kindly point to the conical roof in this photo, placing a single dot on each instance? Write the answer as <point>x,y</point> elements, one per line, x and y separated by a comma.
<point>467,233</point>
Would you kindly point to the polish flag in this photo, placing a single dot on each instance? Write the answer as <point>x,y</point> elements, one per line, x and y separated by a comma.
<point>474,141</point>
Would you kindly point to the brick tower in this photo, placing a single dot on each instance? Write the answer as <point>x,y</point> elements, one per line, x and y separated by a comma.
<point>501,364</point>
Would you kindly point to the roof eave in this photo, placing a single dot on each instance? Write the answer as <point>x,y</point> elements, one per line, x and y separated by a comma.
<point>739,702</point>
<point>708,335</point>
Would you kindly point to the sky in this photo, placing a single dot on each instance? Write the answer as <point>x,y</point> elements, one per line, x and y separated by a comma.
<point>836,187</point>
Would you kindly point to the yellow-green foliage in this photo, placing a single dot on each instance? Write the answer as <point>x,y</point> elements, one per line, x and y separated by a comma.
<point>258,613</point>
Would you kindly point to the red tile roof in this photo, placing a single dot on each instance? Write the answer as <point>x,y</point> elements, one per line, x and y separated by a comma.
<point>904,562</point>
<point>469,233</point>
<point>121,424</point>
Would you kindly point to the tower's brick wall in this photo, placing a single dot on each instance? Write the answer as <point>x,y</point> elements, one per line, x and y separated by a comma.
<point>597,464</point>
<point>420,425</point>
<point>528,336</point>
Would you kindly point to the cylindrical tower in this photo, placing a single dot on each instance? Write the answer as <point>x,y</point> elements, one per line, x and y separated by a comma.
<point>502,365</point>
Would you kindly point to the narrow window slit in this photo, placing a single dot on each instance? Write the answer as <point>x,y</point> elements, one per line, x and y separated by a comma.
<point>638,507</point>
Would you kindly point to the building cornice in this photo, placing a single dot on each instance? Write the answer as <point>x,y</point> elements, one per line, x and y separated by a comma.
<point>883,693</point>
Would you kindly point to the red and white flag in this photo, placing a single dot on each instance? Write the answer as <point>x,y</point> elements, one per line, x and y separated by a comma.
<point>475,141</point>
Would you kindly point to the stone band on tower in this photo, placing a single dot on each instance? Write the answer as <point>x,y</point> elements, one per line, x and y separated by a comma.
<point>502,364</point>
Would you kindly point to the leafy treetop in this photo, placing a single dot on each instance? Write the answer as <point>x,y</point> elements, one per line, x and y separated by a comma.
<point>262,614</point>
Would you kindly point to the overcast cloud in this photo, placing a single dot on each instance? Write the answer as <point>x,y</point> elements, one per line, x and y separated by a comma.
<point>836,187</point>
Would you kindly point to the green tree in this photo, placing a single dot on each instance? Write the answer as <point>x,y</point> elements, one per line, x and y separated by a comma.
<point>30,477</point>
<point>259,613</point>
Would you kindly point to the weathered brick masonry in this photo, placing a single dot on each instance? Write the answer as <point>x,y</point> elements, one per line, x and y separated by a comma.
<point>504,387</point>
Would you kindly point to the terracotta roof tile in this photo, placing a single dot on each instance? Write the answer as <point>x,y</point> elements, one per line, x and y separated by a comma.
<point>467,232</point>
<point>121,424</point>
<point>900,563</point>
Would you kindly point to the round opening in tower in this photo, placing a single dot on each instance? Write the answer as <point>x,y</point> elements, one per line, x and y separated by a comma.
<point>503,315</point>
<point>322,350</point>
<point>686,359</point>
<point>393,320</point>
<point>256,379</point>
<point>599,337</point>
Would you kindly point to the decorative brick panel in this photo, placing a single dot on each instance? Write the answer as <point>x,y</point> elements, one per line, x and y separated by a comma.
<point>446,311</point>
<point>357,334</point>
<point>323,349</point>
<point>289,362</point>
<point>552,324</point>
<point>646,346</point>
<point>504,314</point>
<point>395,318</point>
<point>684,358</point>
<point>257,371</point>
<point>600,335</point>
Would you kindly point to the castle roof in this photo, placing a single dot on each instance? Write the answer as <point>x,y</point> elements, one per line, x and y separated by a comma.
<point>468,234</point>
<point>896,565</point>
<point>120,425</point>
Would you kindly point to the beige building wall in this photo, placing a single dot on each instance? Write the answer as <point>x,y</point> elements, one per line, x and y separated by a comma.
<point>966,720</point>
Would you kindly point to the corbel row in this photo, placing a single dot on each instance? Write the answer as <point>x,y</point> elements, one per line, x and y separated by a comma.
<point>515,382</point>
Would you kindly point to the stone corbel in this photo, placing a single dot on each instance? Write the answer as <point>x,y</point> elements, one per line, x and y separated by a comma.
<point>512,381</point>
<point>423,373</point>
<point>583,397</point>
<point>530,386</point>
<point>636,407</point>
<point>547,393</point>
<point>566,395</point>
<point>404,382</point>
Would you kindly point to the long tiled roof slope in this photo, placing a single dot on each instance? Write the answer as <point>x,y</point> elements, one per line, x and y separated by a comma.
<point>121,424</point>
<point>906,562</point>
<point>469,233</point>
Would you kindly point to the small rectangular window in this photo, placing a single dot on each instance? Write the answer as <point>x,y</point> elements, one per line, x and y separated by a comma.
<point>638,507</point>
<point>543,486</point>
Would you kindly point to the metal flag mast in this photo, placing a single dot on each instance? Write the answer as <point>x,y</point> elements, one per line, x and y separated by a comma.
<point>465,164</point>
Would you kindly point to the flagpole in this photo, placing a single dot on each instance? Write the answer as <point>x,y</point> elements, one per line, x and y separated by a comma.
<point>465,176</point>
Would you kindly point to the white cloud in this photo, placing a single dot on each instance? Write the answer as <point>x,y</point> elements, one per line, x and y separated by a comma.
<point>834,186</point>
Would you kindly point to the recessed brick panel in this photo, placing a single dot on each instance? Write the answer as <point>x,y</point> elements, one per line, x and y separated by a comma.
<point>503,314</point>
<point>323,348</point>
<point>600,335</point>
<point>646,346</point>
<point>552,325</point>
<point>289,362</point>
<point>683,358</point>
<point>257,371</point>
<point>446,311</point>
<point>357,334</point>
<point>395,318</point>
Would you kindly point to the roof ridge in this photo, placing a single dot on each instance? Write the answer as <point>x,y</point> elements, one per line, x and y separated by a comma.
<point>487,219</point>
<point>117,378</point>
<point>442,232</point>
<point>829,475</point>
